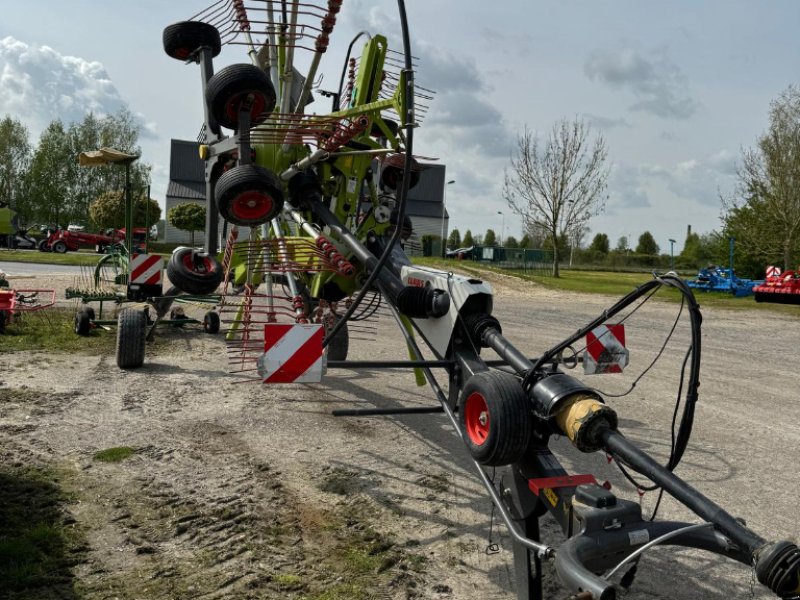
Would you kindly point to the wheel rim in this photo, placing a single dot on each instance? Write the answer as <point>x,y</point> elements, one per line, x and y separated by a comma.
<point>201,266</point>
<point>182,53</point>
<point>476,418</point>
<point>233,106</point>
<point>252,206</point>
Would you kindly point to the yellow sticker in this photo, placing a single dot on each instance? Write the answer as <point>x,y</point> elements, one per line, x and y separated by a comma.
<point>551,495</point>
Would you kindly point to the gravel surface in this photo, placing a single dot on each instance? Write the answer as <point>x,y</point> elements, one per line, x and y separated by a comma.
<point>237,490</point>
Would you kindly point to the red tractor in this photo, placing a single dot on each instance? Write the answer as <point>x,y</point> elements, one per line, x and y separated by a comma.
<point>62,241</point>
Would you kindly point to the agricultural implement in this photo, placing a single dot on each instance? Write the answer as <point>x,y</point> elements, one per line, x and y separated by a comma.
<point>780,287</point>
<point>14,303</point>
<point>719,279</point>
<point>315,206</point>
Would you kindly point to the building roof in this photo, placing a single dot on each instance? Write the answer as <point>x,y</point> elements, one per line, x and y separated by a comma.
<point>420,208</point>
<point>430,186</point>
<point>193,190</point>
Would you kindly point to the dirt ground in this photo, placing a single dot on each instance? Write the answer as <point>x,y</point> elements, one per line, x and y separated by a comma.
<point>236,490</point>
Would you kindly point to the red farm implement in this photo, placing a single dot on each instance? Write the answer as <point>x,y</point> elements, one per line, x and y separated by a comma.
<point>779,287</point>
<point>15,302</point>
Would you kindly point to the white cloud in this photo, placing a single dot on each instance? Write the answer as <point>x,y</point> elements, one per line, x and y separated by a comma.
<point>38,84</point>
<point>658,85</point>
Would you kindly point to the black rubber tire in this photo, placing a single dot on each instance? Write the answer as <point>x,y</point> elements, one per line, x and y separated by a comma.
<point>131,329</point>
<point>340,344</point>
<point>43,246</point>
<point>194,274</point>
<point>3,320</point>
<point>60,247</point>
<point>231,85</point>
<point>83,322</point>
<point>182,39</point>
<point>211,322</point>
<point>505,435</point>
<point>249,195</point>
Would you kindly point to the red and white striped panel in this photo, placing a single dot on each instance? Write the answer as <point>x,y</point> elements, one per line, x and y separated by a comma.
<point>605,350</point>
<point>773,271</point>
<point>292,353</point>
<point>146,269</point>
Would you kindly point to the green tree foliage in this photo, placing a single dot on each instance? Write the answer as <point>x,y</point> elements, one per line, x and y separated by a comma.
<point>526,242</point>
<point>557,184</point>
<point>600,244</point>
<point>647,244</point>
<point>468,239</point>
<point>511,242</point>
<point>764,214</point>
<point>15,154</point>
<point>191,217</point>
<point>48,199</point>
<point>622,244</point>
<point>490,239</point>
<point>108,210</point>
<point>454,239</point>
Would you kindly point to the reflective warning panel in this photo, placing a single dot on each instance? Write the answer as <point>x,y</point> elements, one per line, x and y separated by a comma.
<point>605,350</point>
<point>292,353</point>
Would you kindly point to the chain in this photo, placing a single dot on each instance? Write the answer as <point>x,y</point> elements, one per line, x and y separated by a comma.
<point>753,581</point>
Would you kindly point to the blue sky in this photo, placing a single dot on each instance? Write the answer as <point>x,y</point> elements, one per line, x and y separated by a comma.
<point>677,88</point>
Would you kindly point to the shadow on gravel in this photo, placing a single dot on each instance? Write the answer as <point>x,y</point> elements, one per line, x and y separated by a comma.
<point>37,546</point>
<point>167,369</point>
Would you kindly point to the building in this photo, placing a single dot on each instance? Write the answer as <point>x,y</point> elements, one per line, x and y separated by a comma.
<point>187,183</point>
<point>425,207</point>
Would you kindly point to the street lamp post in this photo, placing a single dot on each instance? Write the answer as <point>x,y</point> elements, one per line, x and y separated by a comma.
<point>502,227</point>
<point>444,204</point>
<point>671,255</point>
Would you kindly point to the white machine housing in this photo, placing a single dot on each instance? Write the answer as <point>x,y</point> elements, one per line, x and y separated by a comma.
<point>474,294</point>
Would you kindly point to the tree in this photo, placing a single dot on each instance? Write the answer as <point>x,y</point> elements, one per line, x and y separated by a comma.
<point>490,239</point>
<point>560,183</point>
<point>108,210</point>
<point>511,242</point>
<point>454,239</point>
<point>15,154</point>
<point>647,244</point>
<point>189,217</point>
<point>48,200</point>
<point>525,242</point>
<point>600,244</point>
<point>468,240</point>
<point>622,244</point>
<point>764,214</point>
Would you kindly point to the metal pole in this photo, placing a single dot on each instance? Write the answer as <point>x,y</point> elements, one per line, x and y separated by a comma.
<point>671,255</point>
<point>444,203</point>
<point>128,210</point>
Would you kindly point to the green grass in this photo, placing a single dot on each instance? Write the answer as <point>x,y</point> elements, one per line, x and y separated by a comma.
<point>38,546</point>
<point>49,258</point>
<point>117,454</point>
<point>611,284</point>
<point>52,330</point>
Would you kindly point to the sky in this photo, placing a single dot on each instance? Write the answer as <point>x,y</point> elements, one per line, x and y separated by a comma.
<point>677,89</point>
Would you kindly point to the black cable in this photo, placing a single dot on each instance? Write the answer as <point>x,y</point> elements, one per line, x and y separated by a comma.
<point>344,68</point>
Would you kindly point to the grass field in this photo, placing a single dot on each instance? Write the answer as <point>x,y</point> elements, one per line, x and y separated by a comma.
<point>609,283</point>
<point>49,258</point>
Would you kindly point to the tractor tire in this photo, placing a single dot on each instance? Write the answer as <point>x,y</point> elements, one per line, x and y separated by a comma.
<point>131,326</point>
<point>60,247</point>
<point>339,346</point>
<point>235,84</point>
<point>83,322</point>
<point>183,39</point>
<point>393,170</point>
<point>3,320</point>
<point>193,272</point>
<point>211,322</point>
<point>495,417</point>
<point>43,246</point>
<point>249,195</point>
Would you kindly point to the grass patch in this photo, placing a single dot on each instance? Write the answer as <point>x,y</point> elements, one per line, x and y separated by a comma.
<point>38,544</point>
<point>80,258</point>
<point>112,455</point>
<point>52,330</point>
<point>608,283</point>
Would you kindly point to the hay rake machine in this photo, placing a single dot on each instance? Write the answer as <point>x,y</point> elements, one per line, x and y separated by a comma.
<point>316,206</point>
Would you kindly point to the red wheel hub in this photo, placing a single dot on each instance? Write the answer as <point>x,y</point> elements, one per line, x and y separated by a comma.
<point>476,418</point>
<point>233,106</point>
<point>201,265</point>
<point>182,53</point>
<point>252,206</point>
